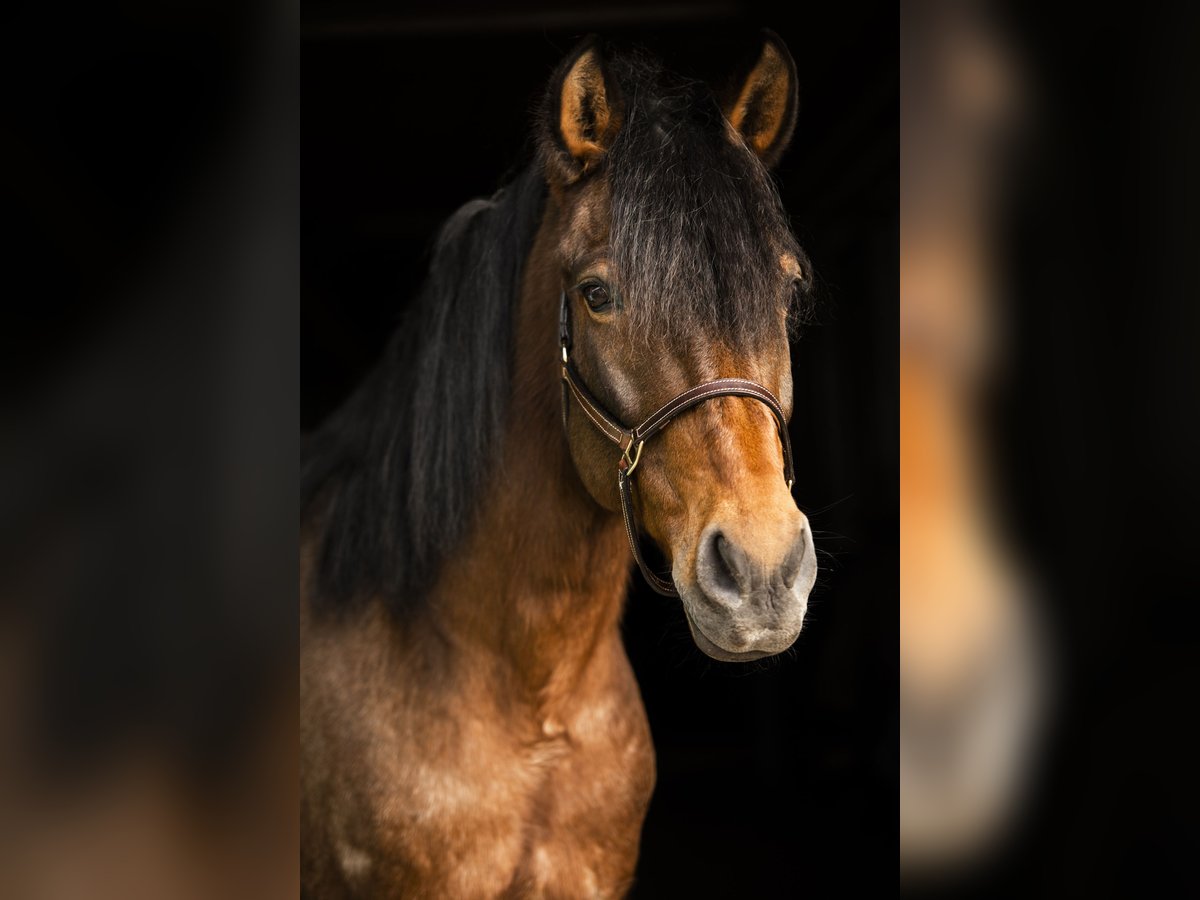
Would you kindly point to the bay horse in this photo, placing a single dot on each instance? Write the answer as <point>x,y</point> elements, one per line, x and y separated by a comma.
<point>471,726</point>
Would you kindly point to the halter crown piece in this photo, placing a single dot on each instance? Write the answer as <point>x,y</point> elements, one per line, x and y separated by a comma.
<point>631,441</point>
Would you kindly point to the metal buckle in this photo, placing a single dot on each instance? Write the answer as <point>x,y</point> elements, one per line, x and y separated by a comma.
<point>630,464</point>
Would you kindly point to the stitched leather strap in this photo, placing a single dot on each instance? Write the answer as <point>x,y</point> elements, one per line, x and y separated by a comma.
<point>721,387</point>
<point>664,586</point>
<point>606,424</point>
<point>632,440</point>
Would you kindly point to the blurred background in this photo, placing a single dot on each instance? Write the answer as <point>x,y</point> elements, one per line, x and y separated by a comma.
<point>776,778</point>
<point>1049,441</point>
<point>148,625</point>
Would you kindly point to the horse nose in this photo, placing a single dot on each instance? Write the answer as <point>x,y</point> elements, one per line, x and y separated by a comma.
<point>728,574</point>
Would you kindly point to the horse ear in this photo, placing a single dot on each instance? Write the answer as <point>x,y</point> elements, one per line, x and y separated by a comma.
<point>763,110</point>
<point>582,112</point>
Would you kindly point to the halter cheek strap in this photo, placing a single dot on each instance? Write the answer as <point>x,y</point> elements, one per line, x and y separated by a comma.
<point>631,441</point>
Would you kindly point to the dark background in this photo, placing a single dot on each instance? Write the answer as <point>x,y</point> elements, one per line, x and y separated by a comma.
<point>1096,437</point>
<point>776,778</point>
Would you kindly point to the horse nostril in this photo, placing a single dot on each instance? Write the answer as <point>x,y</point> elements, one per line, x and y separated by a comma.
<point>790,569</point>
<point>727,556</point>
<point>722,568</point>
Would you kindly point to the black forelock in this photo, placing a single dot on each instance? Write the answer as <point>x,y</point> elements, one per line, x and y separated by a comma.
<point>697,226</point>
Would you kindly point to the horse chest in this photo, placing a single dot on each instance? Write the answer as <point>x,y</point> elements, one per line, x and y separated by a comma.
<point>560,815</point>
<point>420,793</point>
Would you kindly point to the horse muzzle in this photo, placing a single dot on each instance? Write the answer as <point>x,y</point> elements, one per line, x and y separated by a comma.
<point>745,600</point>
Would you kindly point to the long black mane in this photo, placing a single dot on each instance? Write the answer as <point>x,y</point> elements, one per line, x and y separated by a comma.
<point>397,468</point>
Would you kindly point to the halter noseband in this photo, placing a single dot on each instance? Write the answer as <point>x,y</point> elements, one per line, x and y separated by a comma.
<point>631,441</point>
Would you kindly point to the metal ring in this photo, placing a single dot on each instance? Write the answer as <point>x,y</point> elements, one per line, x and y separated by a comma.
<point>632,464</point>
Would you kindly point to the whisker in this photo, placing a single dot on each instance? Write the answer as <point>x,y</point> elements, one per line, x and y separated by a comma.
<point>828,507</point>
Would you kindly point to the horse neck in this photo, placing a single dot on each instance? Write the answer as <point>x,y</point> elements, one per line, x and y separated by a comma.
<point>542,576</point>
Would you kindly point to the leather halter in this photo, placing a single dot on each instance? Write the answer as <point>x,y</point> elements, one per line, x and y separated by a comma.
<point>631,441</point>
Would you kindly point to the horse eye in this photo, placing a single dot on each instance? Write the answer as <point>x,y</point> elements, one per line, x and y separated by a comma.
<point>597,297</point>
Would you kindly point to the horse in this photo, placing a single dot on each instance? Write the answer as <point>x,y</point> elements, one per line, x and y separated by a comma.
<point>471,725</point>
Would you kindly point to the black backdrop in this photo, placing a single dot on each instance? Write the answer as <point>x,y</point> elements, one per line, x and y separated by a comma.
<point>1097,440</point>
<point>776,778</point>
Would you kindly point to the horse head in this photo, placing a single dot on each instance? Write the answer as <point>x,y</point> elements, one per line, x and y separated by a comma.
<point>677,268</point>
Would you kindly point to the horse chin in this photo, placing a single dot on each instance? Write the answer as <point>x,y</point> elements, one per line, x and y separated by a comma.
<point>711,648</point>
